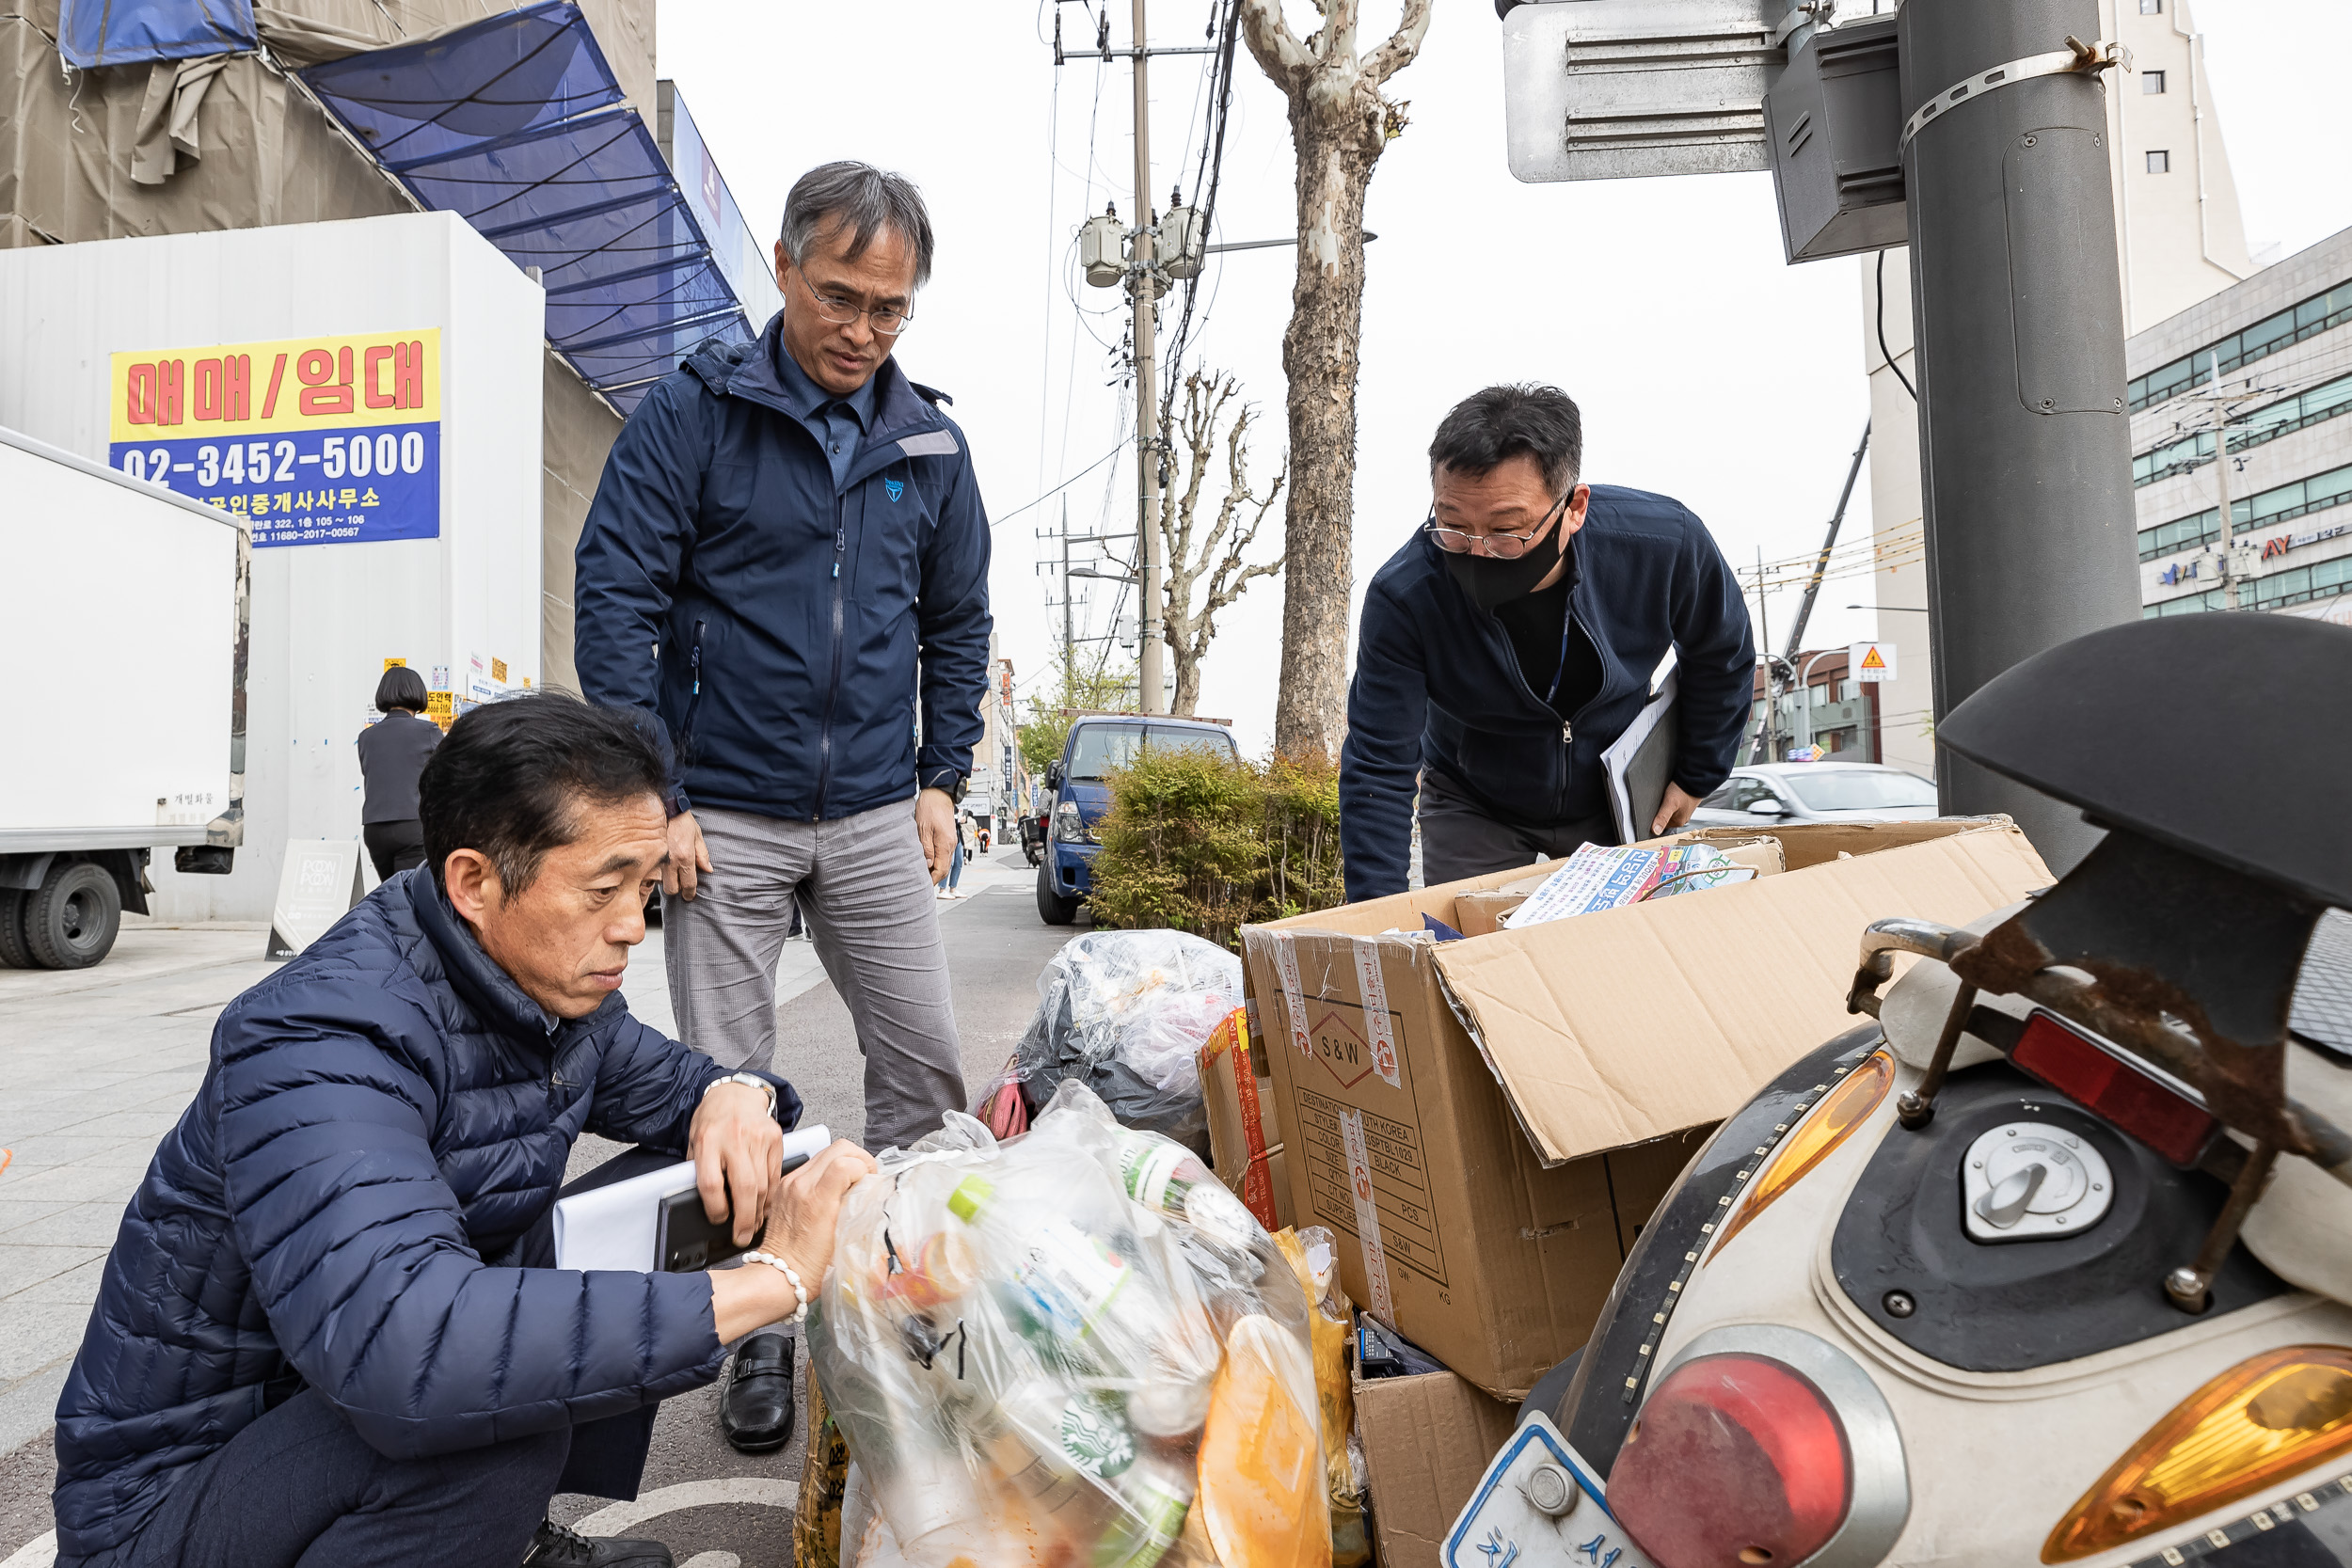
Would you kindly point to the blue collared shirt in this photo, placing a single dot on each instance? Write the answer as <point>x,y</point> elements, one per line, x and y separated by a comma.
<point>836,423</point>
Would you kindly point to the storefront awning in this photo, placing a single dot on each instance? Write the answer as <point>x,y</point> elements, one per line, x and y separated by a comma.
<point>517,125</point>
<point>93,33</point>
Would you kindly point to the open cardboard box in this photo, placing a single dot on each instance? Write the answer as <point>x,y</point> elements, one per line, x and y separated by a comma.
<point>1486,1124</point>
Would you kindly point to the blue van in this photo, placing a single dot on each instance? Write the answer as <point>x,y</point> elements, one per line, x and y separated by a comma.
<point>1096,745</point>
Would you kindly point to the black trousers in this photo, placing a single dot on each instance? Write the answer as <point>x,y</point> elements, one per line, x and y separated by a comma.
<point>393,846</point>
<point>1460,838</point>
<point>300,1486</point>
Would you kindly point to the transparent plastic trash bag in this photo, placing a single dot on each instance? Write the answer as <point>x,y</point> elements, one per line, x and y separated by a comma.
<point>1125,1013</point>
<point>1071,1348</point>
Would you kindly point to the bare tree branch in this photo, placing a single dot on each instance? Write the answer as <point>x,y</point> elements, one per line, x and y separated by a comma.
<point>1403,45</point>
<point>1206,569</point>
<point>1272,43</point>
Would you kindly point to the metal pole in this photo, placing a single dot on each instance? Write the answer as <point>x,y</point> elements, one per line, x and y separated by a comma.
<point>2222,478</point>
<point>1821,563</point>
<point>1766,725</point>
<point>1149,655</point>
<point>1069,631</point>
<point>2025,448</point>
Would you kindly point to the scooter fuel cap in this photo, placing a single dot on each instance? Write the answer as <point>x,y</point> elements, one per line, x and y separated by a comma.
<point>2029,1181</point>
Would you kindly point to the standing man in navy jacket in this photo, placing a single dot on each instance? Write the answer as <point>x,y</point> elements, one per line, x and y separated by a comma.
<point>787,562</point>
<point>1510,642</point>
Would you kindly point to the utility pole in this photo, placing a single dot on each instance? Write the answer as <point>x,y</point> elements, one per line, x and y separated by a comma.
<point>2017,312</point>
<point>1068,630</point>
<point>2222,478</point>
<point>1144,275</point>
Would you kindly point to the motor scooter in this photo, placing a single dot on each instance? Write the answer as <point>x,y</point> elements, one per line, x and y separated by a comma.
<point>2049,1259</point>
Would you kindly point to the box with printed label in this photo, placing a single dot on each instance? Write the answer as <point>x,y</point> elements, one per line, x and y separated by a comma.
<point>1486,1124</point>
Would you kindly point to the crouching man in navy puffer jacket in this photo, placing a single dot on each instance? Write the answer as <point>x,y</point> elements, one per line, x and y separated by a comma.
<point>330,1330</point>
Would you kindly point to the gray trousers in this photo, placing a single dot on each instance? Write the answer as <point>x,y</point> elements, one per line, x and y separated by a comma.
<point>866,896</point>
<point>1459,838</point>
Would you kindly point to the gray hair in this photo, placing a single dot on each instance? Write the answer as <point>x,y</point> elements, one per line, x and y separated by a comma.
<point>864,198</point>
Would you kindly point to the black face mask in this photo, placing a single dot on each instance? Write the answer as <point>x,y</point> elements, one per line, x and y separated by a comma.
<point>1490,582</point>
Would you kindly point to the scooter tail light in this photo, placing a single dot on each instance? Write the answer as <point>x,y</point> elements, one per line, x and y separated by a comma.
<point>2263,1421</point>
<point>2120,1094</point>
<point>1735,1459</point>
<point>1832,1121</point>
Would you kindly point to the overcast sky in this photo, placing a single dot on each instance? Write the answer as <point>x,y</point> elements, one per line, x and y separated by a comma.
<point>1706,368</point>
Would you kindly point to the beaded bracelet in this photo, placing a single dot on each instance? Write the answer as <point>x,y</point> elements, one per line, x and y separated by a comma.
<point>799,1313</point>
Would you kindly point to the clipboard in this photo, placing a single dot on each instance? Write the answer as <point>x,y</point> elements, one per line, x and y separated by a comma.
<point>1639,764</point>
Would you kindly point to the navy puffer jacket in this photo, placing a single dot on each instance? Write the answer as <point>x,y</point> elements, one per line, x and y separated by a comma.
<point>379,1115</point>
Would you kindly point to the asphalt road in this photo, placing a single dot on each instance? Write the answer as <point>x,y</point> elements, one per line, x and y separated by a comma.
<point>719,1509</point>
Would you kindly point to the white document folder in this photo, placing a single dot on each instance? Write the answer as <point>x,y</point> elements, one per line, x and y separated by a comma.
<point>1639,764</point>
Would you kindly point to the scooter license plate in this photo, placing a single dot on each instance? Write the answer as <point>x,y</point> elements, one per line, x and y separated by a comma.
<point>1539,1505</point>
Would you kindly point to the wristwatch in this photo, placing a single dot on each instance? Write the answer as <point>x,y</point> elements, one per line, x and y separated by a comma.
<point>749,1081</point>
<point>948,779</point>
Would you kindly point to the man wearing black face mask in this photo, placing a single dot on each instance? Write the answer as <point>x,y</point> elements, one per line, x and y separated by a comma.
<point>1511,642</point>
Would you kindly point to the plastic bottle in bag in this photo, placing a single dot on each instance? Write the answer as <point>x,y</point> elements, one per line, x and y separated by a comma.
<point>1156,1493</point>
<point>1066,1280</point>
<point>1166,1176</point>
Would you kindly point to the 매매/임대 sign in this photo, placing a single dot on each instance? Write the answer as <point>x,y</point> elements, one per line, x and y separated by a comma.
<point>312,440</point>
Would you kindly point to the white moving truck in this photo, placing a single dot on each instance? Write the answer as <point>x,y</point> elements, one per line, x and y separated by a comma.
<point>124,650</point>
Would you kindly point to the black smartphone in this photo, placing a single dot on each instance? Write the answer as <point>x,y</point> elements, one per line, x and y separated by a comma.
<point>687,1240</point>
<point>685,1237</point>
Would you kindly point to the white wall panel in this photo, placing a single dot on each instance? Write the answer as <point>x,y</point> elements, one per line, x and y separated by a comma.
<point>324,616</point>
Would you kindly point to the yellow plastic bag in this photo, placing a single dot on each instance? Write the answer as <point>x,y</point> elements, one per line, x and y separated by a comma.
<point>1313,1257</point>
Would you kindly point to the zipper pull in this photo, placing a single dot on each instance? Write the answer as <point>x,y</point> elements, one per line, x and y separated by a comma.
<point>1568,733</point>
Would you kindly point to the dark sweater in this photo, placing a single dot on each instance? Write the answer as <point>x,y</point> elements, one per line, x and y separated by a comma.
<point>391,754</point>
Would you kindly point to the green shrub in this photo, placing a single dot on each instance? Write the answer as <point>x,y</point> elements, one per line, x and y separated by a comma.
<point>1207,843</point>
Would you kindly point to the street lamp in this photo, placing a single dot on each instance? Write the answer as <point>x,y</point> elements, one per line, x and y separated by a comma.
<point>1804,693</point>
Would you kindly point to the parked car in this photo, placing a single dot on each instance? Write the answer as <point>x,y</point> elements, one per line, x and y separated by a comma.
<point>1081,795</point>
<point>1816,792</point>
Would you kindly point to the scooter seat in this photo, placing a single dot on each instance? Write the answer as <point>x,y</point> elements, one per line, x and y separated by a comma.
<point>2226,736</point>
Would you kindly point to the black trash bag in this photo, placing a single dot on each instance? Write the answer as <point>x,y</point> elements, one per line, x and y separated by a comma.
<point>1125,1013</point>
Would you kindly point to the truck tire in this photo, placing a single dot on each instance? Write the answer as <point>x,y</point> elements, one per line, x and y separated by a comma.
<point>1052,906</point>
<point>72,920</point>
<point>13,954</point>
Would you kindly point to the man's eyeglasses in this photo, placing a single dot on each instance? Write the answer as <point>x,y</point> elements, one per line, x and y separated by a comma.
<point>889,321</point>
<point>1500,546</point>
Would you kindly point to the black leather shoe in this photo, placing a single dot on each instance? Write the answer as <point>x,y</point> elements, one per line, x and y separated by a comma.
<point>755,1412</point>
<point>554,1546</point>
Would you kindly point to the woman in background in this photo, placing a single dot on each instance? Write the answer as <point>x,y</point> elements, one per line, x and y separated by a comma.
<point>391,754</point>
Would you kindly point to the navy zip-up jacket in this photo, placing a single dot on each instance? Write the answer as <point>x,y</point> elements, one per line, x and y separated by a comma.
<point>378,1116</point>
<point>797,621</point>
<point>1437,686</point>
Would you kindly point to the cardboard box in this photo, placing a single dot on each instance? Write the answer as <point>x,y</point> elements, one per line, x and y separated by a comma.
<point>1244,1140</point>
<point>1427,1441</point>
<point>1486,1124</point>
<point>1480,914</point>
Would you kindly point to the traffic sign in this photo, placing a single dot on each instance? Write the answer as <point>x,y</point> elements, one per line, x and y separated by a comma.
<point>1870,661</point>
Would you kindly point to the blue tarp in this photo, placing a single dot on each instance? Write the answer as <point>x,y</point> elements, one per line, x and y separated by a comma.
<point>517,125</point>
<point>123,32</point>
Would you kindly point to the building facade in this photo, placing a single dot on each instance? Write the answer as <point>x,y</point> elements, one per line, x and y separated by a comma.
<point>2264,368</point>
<point>1837,712</point>
<point>2181,241</point>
